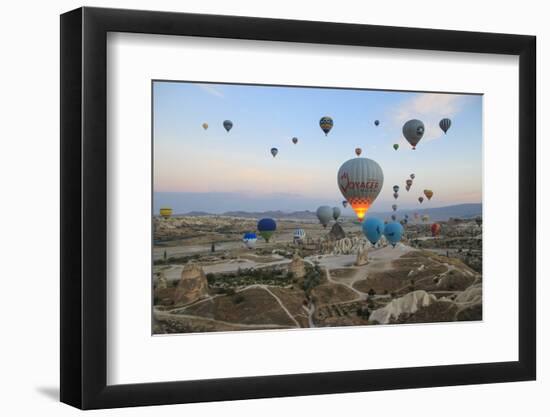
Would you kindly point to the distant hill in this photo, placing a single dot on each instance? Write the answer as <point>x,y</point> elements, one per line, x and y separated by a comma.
<point>463,211</point>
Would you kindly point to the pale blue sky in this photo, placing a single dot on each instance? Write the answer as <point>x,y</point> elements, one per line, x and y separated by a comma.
<point>217,169</point>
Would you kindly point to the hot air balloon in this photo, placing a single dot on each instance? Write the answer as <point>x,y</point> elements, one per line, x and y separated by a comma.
<point>266,227</point>
<point>324,214</point>
<point>412,176</point>
<point>395,188</point>
<point>445,124</point>
<point>436,229</point>
<point>249,239</point>
<point>407,216</point>
<point>274,152</point>
<point>373,229</point>
<point>326,124</point>
<point>358,151</point>
<point>413,131</point>
<point>205,126</point>
<point>396,146</point>
<point>165,212</point>
<point>409,183</point>
<point>420,199</point>
<point>345,203</point>
<point>376,122</point>
<point>425,218</point>
<point>478,220</point>
<point>227,124</point>
<point>299,235</point>
<point>429,194</point>
<point>295,140</point>
<point>393,232</point>
<point>395,195</point>
<point>360,181</point>
<point>393,217</point>
<point>394,207</point>
<point>336,213</point>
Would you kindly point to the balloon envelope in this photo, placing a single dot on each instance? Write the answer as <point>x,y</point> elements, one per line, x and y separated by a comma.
<point>295,140</point>
<point>420,199</point>
<point>345,203</point>
<point>413,131</point>
<point>394,207</point>
<point>412,176</point>
<point>267,227</point>
<point>250,239</point>
<point>393,232</point>
<point>445,124</point>
<point>396,146</point>
<point>165,212</point>
<point>376,122</point>
<point>395,188</point>
<point>205,126</point>
<point>227,124</point>
<point>360,180</point>
<point>358,151</point>
<point>274,152</point>
<point>436,228</point>
<point>324,214</point>
<point>395,195</point>
<point>409,183</point>
<point>326,124</point>
<point>429,194</point>
<point>373,229</point>
<point>299,234</point>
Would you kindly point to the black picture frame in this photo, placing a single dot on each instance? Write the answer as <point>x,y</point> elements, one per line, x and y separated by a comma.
<point>84,207</point>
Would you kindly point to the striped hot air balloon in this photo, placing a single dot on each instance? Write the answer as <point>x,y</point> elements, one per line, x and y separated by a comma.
<point>445,125</point>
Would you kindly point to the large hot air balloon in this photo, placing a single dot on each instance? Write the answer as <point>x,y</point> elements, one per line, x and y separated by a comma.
<point>445,124</point>
<point>274,152</point>
<point>324,214</point>
<point>395,146</point>
<point>396,188</point>
<point>395,195</point>
<point>336,213</point>
<point>360,181</point>
<point>267,227</point>
<point>393,232</point>
<point>413,131</point>
<point>436,229</point>
<point>227,124</point>
<point>412,176</point>
<point>394,207</point>
<point>326,124</point>
<point>358,151</point>
<point>205,126</point>
<point>373,229</point>
<point>295,140</point>
<point>249,239</point>
<point>393,217</point>
<point>299,234</point>
<point>420,199</point>
<point>345,203</point>
<point>428,194</point>
<point>165,212</point>
<point>376,122</point>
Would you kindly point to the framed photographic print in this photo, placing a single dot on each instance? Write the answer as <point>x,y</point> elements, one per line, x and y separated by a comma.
<point>306,207</point>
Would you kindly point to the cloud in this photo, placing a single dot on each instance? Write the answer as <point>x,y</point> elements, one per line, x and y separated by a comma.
<point>210,89</point>
<point>430,108</point>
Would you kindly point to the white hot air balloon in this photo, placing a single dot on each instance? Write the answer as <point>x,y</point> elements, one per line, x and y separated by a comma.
<point>324,214</point>
<point>360,181</point>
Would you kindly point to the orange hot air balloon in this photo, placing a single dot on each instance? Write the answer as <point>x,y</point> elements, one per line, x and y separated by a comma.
<point>358,151</point>
<point>428,194</point>
<point>436,229</point>
<point>360,181</point>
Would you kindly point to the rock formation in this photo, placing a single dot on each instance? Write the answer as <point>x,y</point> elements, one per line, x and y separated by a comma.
<point>362,257</point>
<point>297,267</point>
<point>409,303</point>
<point>336,233</point>
<point>349,246</point>
<point>191,286</point>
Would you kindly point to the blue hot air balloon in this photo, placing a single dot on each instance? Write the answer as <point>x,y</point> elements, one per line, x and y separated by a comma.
<point>267,227</point>
<point>393,232</point>
<point>227,124</point>
<point>373,229</point>
<point>250,239</point>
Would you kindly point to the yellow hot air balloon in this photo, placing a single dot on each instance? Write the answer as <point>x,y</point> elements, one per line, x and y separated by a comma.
<point>428,194</point>
<point>205,126</point>
<point>166,212</point>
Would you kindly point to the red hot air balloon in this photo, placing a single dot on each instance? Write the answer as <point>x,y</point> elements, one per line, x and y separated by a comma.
<point>436,229</point>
